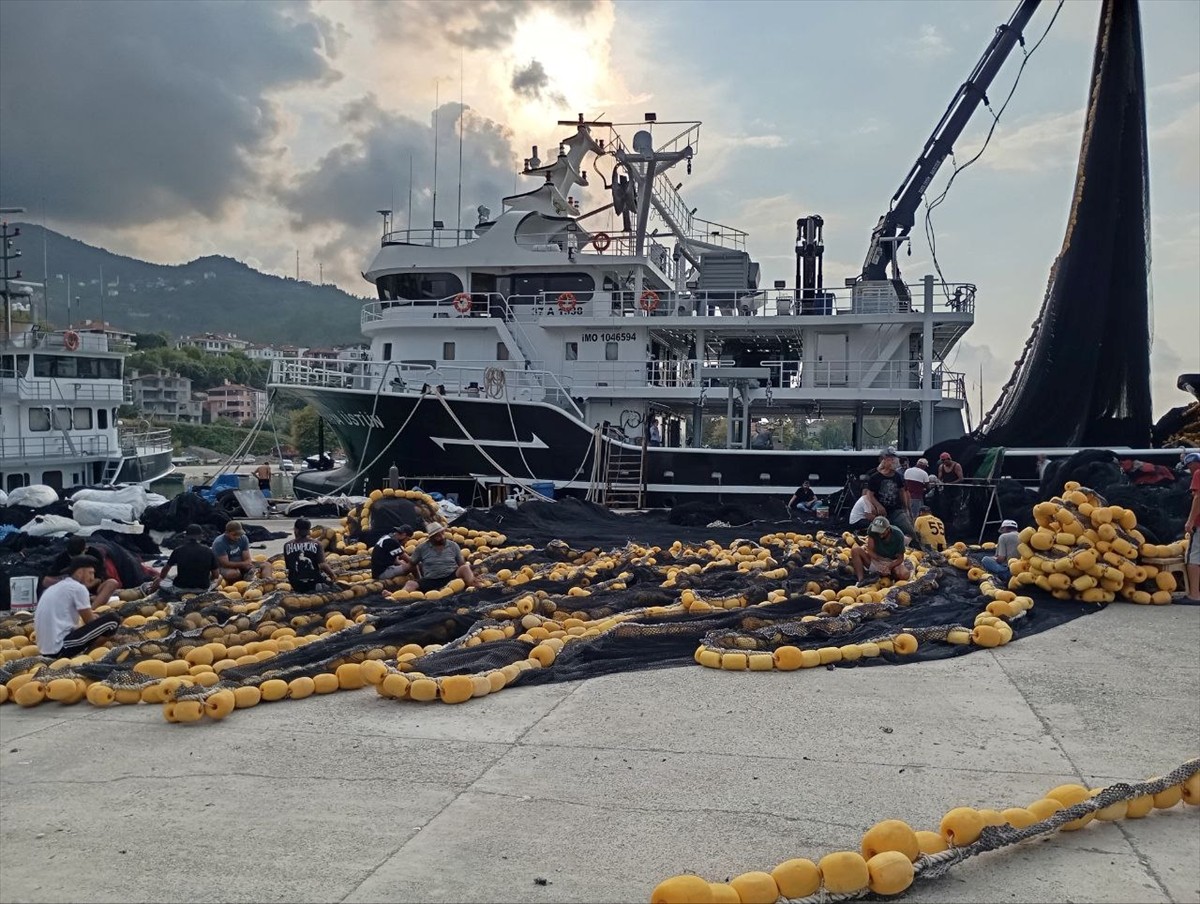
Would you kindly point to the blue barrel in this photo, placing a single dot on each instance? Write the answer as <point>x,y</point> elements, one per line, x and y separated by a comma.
<point>546,488</point>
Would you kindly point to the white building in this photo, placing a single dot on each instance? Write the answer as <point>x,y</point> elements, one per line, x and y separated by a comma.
<point>215,343</point>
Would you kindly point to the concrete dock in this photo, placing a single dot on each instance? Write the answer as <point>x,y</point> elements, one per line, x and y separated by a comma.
<point>595,791</point>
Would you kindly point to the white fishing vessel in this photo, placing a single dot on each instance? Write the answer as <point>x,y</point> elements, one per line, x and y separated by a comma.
<point>546,348</point>
<point>60,392</point>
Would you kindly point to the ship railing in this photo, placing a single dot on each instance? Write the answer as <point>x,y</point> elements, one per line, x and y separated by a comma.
<point>27,447</point>
<point>779,302</point>
<point>429,238</point>
<point>473,379</point>
<point>81,390</point>
<point>852,374</point>
<point>35,339</point>
<point>133,442</point>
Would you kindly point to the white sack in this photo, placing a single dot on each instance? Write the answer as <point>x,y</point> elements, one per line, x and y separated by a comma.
<point>36,496</point>
<point>133,496</point>
<point>46,525</point>
<point>88,512</point>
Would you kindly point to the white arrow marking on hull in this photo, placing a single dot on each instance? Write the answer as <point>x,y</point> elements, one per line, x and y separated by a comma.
<point>534,443</point>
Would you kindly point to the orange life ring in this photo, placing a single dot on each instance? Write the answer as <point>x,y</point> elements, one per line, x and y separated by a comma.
<point>70,340</point>
<point>649,301</point>
<point>462,302</point>
<point>567,303</point>
<point>601,241</point>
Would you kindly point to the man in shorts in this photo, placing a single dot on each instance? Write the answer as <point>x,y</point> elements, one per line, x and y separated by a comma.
<point>1191,530</point>
<point>232,550</point>
<point>439,561</point>
<point>883,556</point>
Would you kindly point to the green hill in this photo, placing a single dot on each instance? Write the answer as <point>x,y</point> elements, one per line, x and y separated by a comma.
<point>209,294</point>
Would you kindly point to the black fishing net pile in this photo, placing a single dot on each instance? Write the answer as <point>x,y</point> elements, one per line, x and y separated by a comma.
<point>1084,376</point>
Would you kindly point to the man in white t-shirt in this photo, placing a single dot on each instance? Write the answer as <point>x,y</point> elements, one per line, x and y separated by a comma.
<point>63,606</point>
<point>916,480</point>
<point>862,512</point>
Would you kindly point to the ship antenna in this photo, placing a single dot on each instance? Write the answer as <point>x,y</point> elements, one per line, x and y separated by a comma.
<point>408,219</point>
<point>461,108</point>
<point>436,101</point>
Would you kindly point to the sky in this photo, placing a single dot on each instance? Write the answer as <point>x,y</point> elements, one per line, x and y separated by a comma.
<point>169,131</point>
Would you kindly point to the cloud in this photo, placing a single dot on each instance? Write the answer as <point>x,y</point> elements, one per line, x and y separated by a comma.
<point>335,202</point>
<point>532,83</point>
<point>125,113</point>
<point>928,45</point>
<point>473,24</point>
<point>1037,144</point>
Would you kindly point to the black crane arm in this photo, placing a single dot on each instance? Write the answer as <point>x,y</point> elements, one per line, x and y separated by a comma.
<point>899,219</point>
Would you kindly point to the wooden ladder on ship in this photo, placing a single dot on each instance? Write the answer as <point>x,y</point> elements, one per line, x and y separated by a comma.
<point>624,474</point>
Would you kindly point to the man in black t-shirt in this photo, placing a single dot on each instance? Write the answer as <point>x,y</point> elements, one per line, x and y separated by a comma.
<point>803,501</point>
<point>195,563</point>
<point>305,559</point>
<point>388,558</point>
<point>888,494</point>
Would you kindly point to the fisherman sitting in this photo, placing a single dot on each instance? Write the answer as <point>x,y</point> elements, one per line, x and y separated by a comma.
<point>64,606</point>
<point>232,550</point>
<point>195,564</point>
<point>1006,549</point>
<point>440,561</point>
<point>883,556</point>
<point>388,558</point>
<point>305,559</point>
<point>804,501</point>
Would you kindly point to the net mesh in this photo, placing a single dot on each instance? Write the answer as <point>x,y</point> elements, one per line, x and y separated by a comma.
<point>1083,378</point>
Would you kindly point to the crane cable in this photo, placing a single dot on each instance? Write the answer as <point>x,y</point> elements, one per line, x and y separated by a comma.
<point>930,235</point>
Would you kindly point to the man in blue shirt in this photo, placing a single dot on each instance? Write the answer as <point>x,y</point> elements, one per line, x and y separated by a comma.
<point>232,550</point>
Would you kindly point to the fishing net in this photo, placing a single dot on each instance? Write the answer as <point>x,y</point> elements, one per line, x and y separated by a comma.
<point>1083,378</point>
<point>564,609</point>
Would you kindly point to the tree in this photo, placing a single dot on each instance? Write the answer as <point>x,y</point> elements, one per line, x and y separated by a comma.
<point>146,341</point>
<point>304,430</point>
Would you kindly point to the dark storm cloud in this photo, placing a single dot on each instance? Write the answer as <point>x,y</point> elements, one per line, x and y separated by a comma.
<point>339,197</point>
<point>473,24</point>
<point>532,83</point>
<point>125,113</point>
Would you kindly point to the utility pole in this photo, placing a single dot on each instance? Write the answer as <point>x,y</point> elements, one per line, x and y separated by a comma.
<point>297,265</point>
<point>8,253</point>
<point>103,292</point>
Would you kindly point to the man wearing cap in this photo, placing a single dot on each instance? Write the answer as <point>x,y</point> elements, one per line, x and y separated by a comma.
<point>888,495</point>
<point>1191,529</point>
<point>64,606</point>
<point>195,564</point>
<point>388,558</point>
<point>439,561</point>
<point>232,550</point>
<point>1006,549</point>
<point>916,479</point>
<point>948,470</point>
<point>883,556</point>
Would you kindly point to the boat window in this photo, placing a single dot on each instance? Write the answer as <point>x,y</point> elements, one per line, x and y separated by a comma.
<point>387,351</point>
<point>76,367</point>
<point>16,480</point>
<point>418,286</point>
<point>102,418</point>
<point>53,479</point>
<point>447,351</point>
<point>62,418</point>
<point>581,285</point>
<point>82,418</point>
<point>610,351</point>
<point>501,351</point>
<point>39,419</point>
<point>572,351</point>
<point>8,366</point>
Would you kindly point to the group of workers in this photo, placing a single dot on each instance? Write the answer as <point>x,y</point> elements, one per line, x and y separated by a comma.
<point>66,622</point>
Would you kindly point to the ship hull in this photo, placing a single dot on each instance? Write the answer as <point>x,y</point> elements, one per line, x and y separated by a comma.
<point>450,443</point>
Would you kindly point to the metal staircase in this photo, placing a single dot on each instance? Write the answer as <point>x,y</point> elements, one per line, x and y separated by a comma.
<point>624,480</point>
<point>112,467</point>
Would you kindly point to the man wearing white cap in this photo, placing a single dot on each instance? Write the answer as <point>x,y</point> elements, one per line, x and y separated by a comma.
<point>1191,530</point>
<point>916,480</point>
<point>439,561</point>
<point>1006,548</point>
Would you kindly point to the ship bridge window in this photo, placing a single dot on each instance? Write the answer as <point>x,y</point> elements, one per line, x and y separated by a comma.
<point>39,419</point>
<point>76,368</point>
<point>581,285</point>
<point>82,418</point>
<point>418,286</point>
<point>102,418</point>
<point>501,351</point>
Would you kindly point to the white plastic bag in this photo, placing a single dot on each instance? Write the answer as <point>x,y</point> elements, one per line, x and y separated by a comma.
<point>47,525</point>
<point>36,496</point>
<point>133,496</point>
<point>89,512</point>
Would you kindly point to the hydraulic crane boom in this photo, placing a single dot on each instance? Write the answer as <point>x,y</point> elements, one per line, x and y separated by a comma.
<point>899,219</point>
